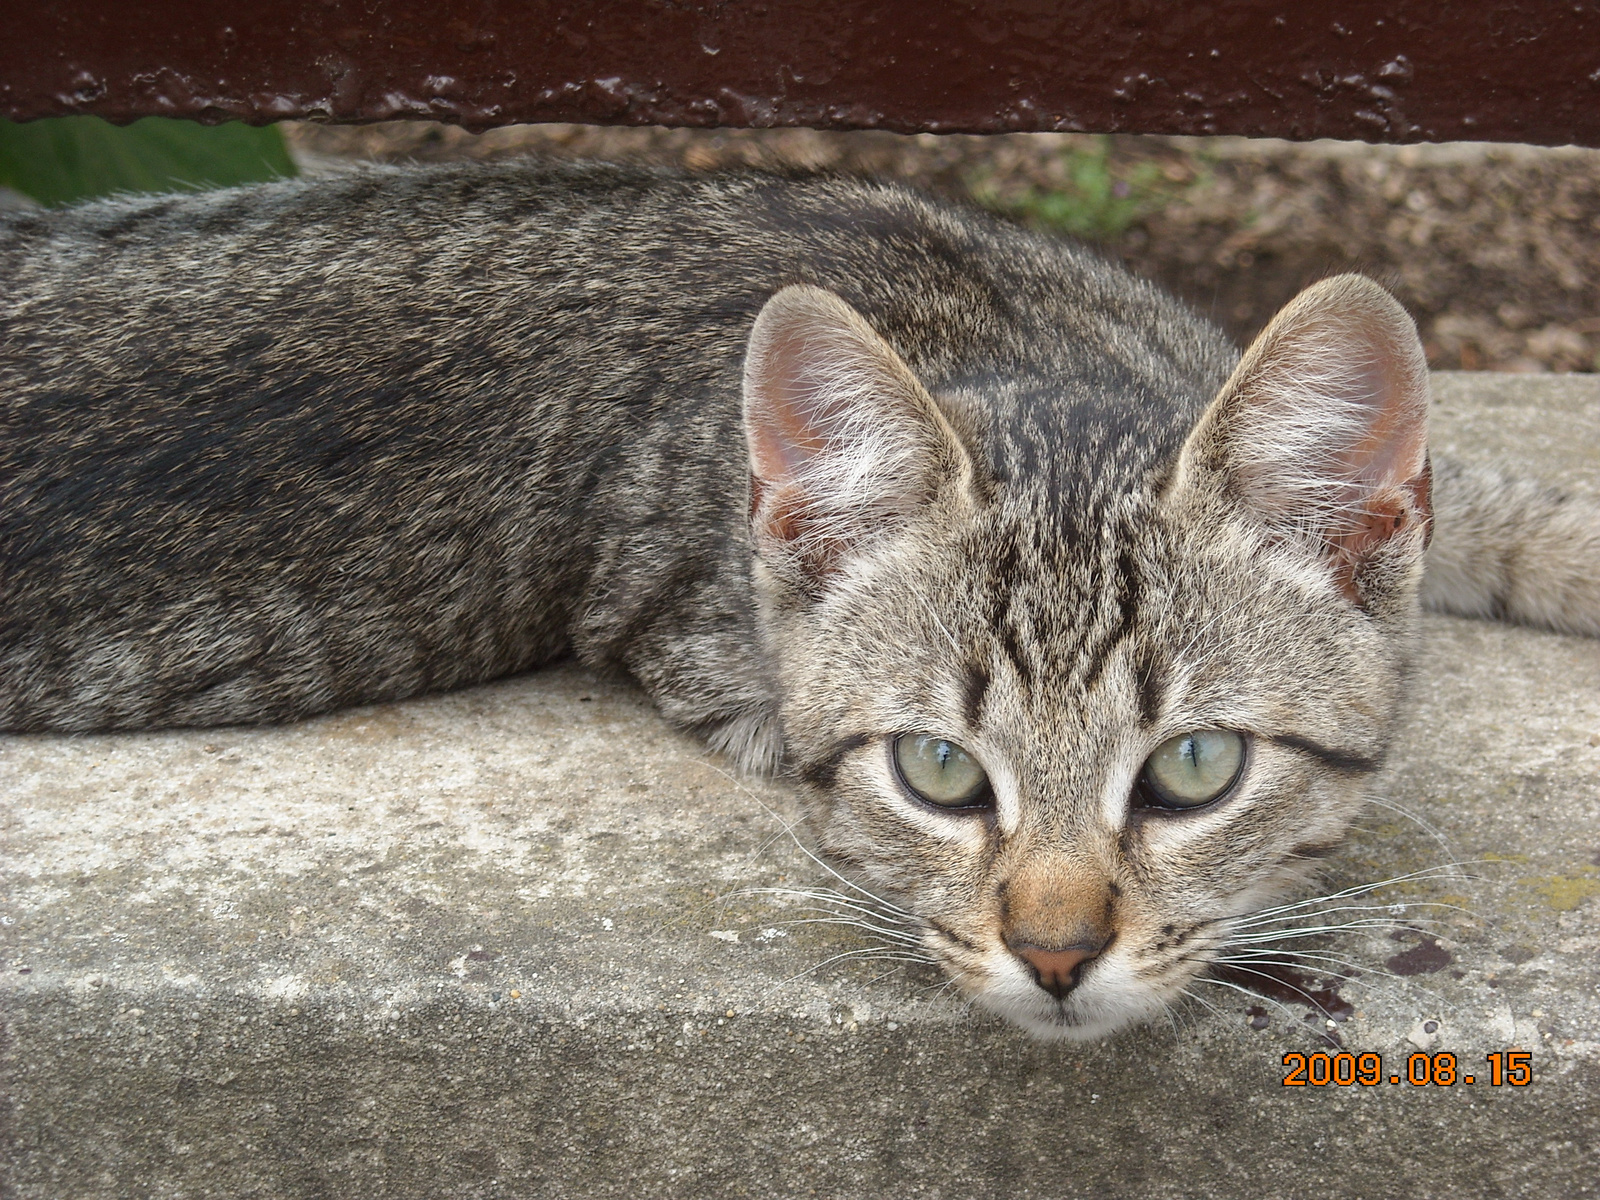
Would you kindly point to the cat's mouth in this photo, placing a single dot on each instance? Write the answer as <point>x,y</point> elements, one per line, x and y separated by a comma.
<point>1105,996</point>
<point>1087,1013</point>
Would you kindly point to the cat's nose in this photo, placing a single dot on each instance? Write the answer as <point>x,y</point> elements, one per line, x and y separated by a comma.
<point>1057,970</point>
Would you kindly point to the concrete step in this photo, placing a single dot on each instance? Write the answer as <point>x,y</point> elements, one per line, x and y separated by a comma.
<point>507,943</point>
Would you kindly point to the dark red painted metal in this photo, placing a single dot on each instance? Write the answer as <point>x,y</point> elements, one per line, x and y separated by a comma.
<point>1391,70</point>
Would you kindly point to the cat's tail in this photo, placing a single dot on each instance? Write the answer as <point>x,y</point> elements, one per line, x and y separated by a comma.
<point>1510,549</point>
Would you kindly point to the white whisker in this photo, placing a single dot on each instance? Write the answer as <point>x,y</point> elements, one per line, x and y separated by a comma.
<point>1394,919</point>
<point>1217,1012</point>
<point>1431,830</point>
<point>872,955</point>
<point>802,847</point>
<point>887,935</point>
<point>828,896</point>
<point>1357,890</point>
<point>1292,958</point>
<point>1292,932</point>
<point>1288,1013</point>
<point>1309,998</point>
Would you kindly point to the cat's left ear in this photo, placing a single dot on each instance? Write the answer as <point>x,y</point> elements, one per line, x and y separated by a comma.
<point>844,441</point>
<point>1322,431</point>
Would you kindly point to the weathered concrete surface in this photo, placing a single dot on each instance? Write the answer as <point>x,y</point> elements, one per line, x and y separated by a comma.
<point>482,945</point>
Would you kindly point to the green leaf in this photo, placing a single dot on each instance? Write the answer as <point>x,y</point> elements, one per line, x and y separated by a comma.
<point>1097,198</point>
<point>62,159</point>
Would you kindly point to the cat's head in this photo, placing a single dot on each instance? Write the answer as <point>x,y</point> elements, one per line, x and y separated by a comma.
<point>1075,744</point>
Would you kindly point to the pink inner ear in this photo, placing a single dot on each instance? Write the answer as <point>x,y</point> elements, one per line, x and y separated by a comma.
<point>783,427</point>
<point>1392,462</point>
<point>1325,422</point>
<point>1394,446</point>
<point>842,438</point>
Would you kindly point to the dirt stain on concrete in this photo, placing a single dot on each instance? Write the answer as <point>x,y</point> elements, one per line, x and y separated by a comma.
<point>1426,957</point>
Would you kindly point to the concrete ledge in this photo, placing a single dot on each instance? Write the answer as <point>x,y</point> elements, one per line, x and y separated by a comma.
<point>493,944</point>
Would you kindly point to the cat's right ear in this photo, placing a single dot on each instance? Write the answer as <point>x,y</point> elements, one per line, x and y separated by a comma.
<point>1322,432</point>
<point>844,441</point>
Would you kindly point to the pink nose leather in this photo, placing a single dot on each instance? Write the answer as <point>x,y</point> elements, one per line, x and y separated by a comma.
<point>1057,969</point>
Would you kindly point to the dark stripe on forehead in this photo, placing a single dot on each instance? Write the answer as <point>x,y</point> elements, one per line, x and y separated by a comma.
<point>821,772</point>
<point>1343,761</point>
<point>1004,576</point>
<point>1152,690</point>
<point>977,688</point>
<point>1127,584</point>
<point>1012,645</point>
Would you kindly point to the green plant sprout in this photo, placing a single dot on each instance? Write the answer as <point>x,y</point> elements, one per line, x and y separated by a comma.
<point>1098,200</point>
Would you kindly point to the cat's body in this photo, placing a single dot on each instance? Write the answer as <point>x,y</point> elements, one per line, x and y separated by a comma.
<point>511,432</point>
<point>273,451</point>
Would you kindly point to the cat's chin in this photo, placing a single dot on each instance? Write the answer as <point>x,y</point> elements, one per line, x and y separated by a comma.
<point>1088,1014</point>
<point>1060,1030</point>
<point>1050,1023</point>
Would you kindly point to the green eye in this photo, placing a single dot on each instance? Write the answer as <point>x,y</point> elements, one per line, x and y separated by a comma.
<point>1193,768</point>
<point>940,772</point>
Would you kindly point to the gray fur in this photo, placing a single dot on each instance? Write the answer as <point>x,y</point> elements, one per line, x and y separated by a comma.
<point>271,451</point>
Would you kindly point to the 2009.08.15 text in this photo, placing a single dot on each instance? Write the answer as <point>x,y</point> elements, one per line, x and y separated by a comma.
<point>1507,1068</point>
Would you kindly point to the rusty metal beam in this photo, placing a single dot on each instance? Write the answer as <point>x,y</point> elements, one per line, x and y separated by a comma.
<point>1381,70</point>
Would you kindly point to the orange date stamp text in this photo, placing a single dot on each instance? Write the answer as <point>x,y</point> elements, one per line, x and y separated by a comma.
<point>1506,1068</point>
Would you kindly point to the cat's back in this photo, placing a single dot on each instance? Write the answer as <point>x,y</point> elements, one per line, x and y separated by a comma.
<point>331,258</point>
<point>387,271</point>
<point>272,450</point>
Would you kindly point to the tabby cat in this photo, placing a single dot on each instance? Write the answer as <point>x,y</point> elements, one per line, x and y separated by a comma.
<point>1083,634</point>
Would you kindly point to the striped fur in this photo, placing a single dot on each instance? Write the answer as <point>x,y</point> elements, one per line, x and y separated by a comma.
<point>271,451</point>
